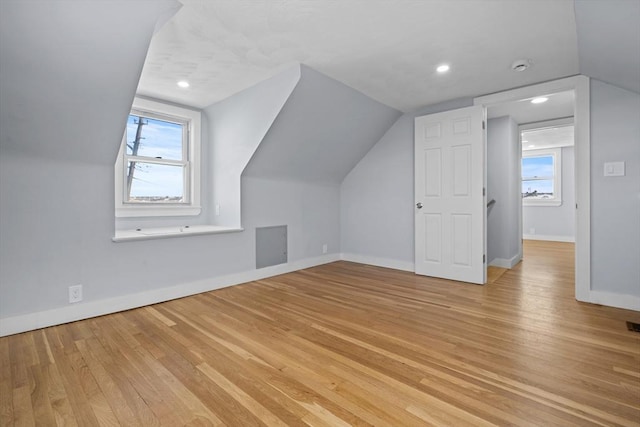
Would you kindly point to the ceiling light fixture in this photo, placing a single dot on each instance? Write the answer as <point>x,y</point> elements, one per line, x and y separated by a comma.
<point>442,68</point>
<point>532,146</point>
<point>183,84</point>
<point>539,100</point>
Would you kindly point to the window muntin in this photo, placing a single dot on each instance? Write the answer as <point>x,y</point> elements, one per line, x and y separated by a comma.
<point>158,167</point>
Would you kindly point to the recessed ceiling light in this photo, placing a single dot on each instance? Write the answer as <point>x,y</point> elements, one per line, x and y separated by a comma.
<point>183,84</point>
<point>442,68</point>
<point>532,146</point>
<point>539,100</point>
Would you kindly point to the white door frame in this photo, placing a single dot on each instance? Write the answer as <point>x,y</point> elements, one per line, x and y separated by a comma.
<point>582,119</point>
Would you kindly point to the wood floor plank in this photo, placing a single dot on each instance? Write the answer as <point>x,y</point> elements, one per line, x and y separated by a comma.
<point>6,385</point>
<point>342,344</point>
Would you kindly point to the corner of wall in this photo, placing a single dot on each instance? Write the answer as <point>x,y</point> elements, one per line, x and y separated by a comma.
<point>236,127</point>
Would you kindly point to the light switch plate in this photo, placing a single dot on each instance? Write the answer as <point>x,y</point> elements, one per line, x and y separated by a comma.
<point>614,169</point>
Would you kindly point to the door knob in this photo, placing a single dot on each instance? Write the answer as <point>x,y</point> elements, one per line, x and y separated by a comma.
<point>419,205</point>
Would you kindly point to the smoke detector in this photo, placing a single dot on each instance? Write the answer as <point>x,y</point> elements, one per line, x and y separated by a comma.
<point>520,65</point>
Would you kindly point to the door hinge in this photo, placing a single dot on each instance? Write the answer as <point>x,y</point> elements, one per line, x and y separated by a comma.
<point>484,191</point>
<point>484,259</point>
<point>483,124</point>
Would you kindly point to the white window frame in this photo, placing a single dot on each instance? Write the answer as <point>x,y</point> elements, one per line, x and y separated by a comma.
<point>556,153</point>
<point>191,162</point>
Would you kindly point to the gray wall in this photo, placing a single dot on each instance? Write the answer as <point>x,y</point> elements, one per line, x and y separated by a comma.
<point>615,201</point>
<point>57,220</point>
<point>310,211</point>
<point>608,39</point>
<point>237,126</point>
<point>503,185</point>
<point>48,245</point>
<point>377,198</point>
<point>323,130</point>
<point>556,221</point>
<point>56,184</point>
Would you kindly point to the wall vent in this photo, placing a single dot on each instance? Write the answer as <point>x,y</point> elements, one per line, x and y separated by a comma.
<point>271,246</point>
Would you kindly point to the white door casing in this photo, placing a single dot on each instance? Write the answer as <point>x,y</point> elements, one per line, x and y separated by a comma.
<point>450,211</point>
<point>582,120</point>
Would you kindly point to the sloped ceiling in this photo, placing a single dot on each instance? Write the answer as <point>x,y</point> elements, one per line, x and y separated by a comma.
<point>320,134</point>
<point>609,41</point>
<point>523,111</point>
<point>68,74</point>
<point>387,50</point>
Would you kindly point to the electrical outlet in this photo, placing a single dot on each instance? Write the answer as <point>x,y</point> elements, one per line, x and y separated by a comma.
<point>75,293</point>
<point>324,248</point>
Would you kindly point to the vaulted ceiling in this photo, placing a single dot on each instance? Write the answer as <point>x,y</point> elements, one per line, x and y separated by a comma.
<point>389,49</point>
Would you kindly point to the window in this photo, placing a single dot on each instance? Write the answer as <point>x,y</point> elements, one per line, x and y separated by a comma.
<point>541,177</point>
<point>158,166</point>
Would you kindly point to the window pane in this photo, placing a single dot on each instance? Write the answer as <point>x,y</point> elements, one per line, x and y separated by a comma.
<point>154,138</point>
<point>152,183</point>
<point>537,189</point>
<point>533,167</point>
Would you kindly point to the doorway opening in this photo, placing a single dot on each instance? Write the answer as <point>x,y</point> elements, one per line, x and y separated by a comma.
<point>506,108</point>
<point>548,180</point>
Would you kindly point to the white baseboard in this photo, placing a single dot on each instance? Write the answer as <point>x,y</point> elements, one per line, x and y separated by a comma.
<point>86,310</point>
<point>506,263</point>
<point>570,239</point>
<point>379,262</point>
<point>629,302</point>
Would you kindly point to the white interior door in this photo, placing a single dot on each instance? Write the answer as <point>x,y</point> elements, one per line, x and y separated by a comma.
<point>450,211</point>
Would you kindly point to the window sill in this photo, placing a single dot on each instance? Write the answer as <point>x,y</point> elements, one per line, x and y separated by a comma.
<point>542,203</point>
<point>169,232</point>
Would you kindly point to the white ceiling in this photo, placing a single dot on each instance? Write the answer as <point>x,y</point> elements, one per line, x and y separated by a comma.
<point>550,137</point>
<point>523,111</point>
<point>387,49</point>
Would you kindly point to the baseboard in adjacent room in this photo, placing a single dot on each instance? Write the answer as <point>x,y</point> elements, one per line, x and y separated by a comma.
<point>506,263</point>
<point>89,309</point>
<point>569,239</point>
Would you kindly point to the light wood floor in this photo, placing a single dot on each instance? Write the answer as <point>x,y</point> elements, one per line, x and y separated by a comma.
<point>337,345</point>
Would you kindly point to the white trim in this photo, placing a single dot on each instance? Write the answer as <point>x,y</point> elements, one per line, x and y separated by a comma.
<point>193,207</point>
<point>506,263</point>
<point>580,84</point>
<point>379,262</point>
<point>169,232</point>
<point>628,302</point>
<point>568,239</point>
<point>545,124</point>
<point>86,310</point>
